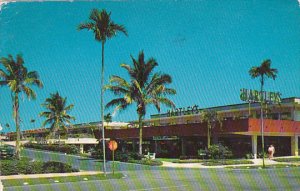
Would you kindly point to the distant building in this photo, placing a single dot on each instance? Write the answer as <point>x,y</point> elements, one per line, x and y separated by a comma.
<point>79,134</point>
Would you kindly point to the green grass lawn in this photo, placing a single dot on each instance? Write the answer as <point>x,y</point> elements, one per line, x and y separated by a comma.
<point>225,162</point>
<point>290,159</point>
<point>209,162</point>
<point>266,167</point>
<point>147,162</point>
<point>189,161</point>
<point>53,180</point>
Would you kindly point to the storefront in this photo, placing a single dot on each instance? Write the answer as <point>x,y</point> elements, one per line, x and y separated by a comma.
<point>184,132</point>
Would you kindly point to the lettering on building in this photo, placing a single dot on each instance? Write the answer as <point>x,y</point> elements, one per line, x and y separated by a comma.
<point>255,96</point>
<point>183,111</point>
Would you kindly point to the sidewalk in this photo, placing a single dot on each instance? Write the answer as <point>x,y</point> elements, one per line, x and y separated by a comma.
<point>199,165</point>
<point>50,175</point>
<point>1,186</point>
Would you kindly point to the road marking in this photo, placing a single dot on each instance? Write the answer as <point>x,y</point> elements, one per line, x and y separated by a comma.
<point>159,188</point>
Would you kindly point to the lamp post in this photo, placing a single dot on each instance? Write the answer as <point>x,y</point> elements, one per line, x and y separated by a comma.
<point>262,127</point>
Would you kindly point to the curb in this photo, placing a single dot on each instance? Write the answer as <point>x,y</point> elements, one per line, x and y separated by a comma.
<point>199,165</point>
<point>50,175</point>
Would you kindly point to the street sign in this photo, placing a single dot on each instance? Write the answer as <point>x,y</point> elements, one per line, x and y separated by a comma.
<point>112,145</point>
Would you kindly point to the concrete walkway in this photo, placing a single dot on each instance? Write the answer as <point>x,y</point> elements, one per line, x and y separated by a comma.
<point>1,186</point>
<point>50,175</point>
<point>199,165</point>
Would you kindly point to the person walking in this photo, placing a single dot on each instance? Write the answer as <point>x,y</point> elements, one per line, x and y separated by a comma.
<point>271,151</point>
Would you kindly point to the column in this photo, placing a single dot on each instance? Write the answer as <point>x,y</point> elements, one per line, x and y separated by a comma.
<point>133,145</point>
<point>215,139</point>
<point>294,145</point>
<point>81,148</point>
<point>182,146</point>
<point>254,145</point>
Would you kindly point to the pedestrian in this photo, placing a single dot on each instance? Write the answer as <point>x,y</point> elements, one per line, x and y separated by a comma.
<point>271,151</point>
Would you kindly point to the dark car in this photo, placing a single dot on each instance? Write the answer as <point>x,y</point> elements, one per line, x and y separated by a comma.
<point>6,151</point>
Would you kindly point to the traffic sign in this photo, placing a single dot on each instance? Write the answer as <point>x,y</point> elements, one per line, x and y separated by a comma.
<point>112,145</point>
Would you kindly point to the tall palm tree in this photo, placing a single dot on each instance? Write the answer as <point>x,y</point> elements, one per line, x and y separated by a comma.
<point>262,71</point>
<point>103,28</point>
<point>57,113</point>
<point>143,89</point>
<point>18,79</point>
<point>211,117</point>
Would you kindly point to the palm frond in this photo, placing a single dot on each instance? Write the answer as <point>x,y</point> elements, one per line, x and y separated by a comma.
<point>117,90</point>
<point>88,26</point>
<point>29,92</point>
<point>117,102</point>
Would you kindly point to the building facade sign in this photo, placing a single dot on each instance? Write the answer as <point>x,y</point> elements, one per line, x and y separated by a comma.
<point>164,138</point>
<point>183,111</point>
<point>255,96</point>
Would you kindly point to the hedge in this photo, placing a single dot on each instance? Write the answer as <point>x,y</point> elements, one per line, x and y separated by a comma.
<point>69,149</point>
<point>147,162</point>
<point>14,167</point>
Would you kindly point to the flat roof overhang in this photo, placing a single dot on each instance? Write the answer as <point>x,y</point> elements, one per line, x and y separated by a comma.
<point>237,126</point>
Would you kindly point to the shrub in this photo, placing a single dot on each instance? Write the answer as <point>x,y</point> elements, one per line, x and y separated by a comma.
<point>96,153</point>
<point>260,155</point>
<point>121,156</point>
<point>218,152</point>
<point>126,156</point>
<point>249,156</point>
<point>57,167</point>
<point>70,149</point>
<point>135,156</point>
<point>25,166</point>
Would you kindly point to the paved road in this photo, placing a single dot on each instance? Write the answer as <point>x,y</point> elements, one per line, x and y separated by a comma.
<point>140,178</point>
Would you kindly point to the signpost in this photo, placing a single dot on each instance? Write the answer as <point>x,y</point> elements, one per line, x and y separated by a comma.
<point>113,145</point>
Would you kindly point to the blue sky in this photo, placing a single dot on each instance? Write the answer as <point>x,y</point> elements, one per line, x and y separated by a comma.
<point>206,46</point>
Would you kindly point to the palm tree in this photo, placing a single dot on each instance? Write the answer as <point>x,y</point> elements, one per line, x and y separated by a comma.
<point>143,89</point>
<point>19,80</point>
<point>57,113</point>
<point>262,71</point>
<point>107,119</point>
<point>103,28</point>
<point>211,118</point>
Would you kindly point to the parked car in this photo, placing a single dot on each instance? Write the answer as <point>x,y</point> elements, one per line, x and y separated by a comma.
<point>6,151</point>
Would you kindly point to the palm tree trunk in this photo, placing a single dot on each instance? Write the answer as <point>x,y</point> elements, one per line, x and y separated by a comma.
<point>17,121</point>
<point>140,134</point>
<point>102,109</point>
<point>262,120</point>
